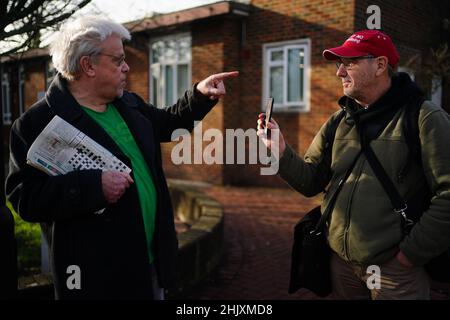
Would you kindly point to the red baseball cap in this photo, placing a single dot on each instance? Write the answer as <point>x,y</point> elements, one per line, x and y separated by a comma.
<point>363,43</point>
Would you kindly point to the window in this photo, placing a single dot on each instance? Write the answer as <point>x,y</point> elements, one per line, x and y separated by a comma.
<point>50,73</point>
<point>21,77</point>
<point>286,74</point>
<point>6,97</point>
<point>170,69</point>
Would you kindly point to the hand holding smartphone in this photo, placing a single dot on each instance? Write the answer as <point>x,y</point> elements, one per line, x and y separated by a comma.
<point>269,109</point>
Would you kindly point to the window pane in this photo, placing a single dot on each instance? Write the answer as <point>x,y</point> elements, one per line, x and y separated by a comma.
<point>184,49</point>
<point>155,101</point>
<point>21,88</point>
<point>5,93</point>
<point>168,77</point>
<point>155,93</point>
<point>172,57</point>
<point>276,56</point>
<point>276,84</point>
<point>182,79</point>
<point>157,51</point>
<point>170,50</point>
<point>4,98</point>
<point>295,75</point>
<point>6,103</point>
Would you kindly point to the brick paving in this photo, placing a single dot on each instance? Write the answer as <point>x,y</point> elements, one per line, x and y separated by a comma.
<point>258,230</point>
<point>258,225</point>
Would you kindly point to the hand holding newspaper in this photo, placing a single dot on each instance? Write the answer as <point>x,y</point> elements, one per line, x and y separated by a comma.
<point>61,148</point>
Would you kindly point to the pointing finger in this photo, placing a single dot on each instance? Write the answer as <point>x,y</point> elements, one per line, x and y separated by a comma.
<point>224,75</point>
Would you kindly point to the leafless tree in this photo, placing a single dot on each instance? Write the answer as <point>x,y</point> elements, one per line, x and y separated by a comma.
<point>21,21</point>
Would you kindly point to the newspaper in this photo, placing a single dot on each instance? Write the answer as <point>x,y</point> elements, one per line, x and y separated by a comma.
<point>61,148</point>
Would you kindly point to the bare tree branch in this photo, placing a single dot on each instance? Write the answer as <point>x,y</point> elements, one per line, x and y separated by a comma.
<point>25,19</point>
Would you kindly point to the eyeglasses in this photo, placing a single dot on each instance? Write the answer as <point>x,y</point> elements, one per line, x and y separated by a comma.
<point>349,63</point>
<point>118,60</point>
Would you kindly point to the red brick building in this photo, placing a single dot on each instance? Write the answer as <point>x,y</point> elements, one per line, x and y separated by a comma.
<point>276,46</point>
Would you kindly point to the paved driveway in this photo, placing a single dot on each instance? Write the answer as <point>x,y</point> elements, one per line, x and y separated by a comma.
<point>258,233</point>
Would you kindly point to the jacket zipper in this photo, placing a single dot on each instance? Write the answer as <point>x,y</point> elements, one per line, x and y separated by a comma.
<point>348,215</point>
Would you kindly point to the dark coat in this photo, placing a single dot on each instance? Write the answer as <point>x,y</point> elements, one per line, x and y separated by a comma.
<point>109,248</point>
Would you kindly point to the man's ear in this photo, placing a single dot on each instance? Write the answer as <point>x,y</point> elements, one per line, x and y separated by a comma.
<point>382,65</point>
<point>87,66</point>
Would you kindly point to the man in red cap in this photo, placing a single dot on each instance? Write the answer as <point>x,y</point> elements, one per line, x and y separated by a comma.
<point>371,45</point>
<point>363,230</point>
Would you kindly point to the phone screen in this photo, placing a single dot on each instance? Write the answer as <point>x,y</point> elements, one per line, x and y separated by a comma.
<point>269,109</point>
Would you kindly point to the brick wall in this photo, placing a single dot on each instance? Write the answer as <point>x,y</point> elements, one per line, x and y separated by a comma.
<point>235,112</point>
<point>414,26</point>
<point>207,58</point>
<point>413,23</point>
<point>217,46</point>
<point>34,80</point>
<point>227,43</point>
<point>137,57</point>
<point>326,24</point>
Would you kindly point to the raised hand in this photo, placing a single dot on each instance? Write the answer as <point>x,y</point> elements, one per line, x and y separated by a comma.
<point>270,141</point>
<point>213,86</point>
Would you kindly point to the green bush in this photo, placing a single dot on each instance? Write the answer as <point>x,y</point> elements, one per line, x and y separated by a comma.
<point>28,237</point>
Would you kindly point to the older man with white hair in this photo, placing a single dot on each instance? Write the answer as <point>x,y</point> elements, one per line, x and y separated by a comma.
<point>129,250</point>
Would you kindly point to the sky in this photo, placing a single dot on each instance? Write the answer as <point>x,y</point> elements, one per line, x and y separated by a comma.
<point>128,10</point>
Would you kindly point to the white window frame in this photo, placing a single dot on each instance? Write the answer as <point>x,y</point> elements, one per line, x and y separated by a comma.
<point>6,99</point>
<point>302,106</point>
<point>161,86</point>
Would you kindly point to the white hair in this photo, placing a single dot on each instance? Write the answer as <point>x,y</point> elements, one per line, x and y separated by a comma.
<point>81,37</point>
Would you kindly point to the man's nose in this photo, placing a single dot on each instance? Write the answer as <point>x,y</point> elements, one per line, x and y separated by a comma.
<point>125,67</point>
<point>341,71</point>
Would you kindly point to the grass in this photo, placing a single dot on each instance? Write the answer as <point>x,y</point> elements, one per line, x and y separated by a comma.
<point>28,238</point>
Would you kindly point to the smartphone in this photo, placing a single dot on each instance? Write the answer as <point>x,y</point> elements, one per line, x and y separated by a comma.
<point>269,109</point>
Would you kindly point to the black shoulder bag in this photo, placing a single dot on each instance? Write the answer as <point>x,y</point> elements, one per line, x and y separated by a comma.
<point>438,268</point>
<point>310,259</point>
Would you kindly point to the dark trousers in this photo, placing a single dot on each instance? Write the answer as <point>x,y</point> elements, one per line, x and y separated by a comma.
<point>395,281</point>
<point>8,255</point>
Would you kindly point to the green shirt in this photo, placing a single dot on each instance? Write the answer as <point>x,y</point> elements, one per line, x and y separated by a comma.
<point>112,122</point>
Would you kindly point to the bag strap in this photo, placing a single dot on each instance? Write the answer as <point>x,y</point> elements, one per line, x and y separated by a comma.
<point>330,206</point>
<point>412,133</point>
<point>399,205</point>
<point>330,135</point>
<point>412,139</point>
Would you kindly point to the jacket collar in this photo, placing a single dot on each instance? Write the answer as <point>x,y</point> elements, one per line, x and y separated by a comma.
<point>371,121</point>
<point>402,90</point>
<point>61,101</point>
